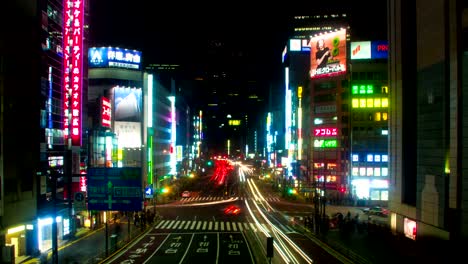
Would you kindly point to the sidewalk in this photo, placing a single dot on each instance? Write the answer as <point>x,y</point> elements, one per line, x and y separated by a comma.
<point>80,233</point>
<point>88,245</point>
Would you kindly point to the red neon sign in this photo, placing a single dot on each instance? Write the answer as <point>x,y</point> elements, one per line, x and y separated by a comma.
<point>83,184</point>
<point>73,65</point>
<point>105,112</point>
<point>326,132</point>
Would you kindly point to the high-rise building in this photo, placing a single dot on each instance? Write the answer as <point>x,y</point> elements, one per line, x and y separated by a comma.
<point>369,114</point>
<point>428,65</point>
<point>43,80</point>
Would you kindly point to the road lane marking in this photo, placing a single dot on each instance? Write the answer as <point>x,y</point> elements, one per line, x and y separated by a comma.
<point>193,225</point>
<point>228,226</point>
<point>170,224</point>
<point>187,225</point>
<point>210,225</point>
<point>216,226</point>
<point>222,226</point>
<point>198,225</point>
<point>160,224</point>
<point>204,225</point>
<point>175,225</point>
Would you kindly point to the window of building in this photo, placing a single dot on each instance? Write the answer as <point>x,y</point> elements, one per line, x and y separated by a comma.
<point>384,195</point>
<point>355,76</point>
<point>362,76</point>
<point>377,172</point>
<point>384,158</point>
<point>377,102</point>
<point>355,157</point>
<point>384,171</point>
<point>362,171</point>
<point>362,103</point>
<point>377,158</point>
<point>375,195</point>
<point>377,116</point>
<point>384,102</point>
<point>384,116</point>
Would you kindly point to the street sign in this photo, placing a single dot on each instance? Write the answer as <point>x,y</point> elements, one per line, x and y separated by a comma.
<point>79,202</point>
<point>115,189</point>
<point>149,192</point>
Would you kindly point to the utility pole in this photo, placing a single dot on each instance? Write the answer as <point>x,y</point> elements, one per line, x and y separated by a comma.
<point>54,217</point>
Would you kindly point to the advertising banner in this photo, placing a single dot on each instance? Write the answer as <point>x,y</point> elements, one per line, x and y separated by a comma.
<point>104,57</point>
<point>127,104</point>
<point>328,54</point>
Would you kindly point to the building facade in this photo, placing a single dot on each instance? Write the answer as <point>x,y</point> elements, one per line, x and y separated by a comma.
<point>427,75</point>
<point>43,88</point>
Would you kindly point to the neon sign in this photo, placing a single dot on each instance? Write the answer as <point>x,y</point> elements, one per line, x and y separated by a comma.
<point>73,64</point>
<point>105,112</point>
<point>325,132</point>
<point>325,143</point>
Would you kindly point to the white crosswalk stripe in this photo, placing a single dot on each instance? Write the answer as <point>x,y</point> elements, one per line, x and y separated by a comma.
<point>205,225</point>
<point>220,198</point>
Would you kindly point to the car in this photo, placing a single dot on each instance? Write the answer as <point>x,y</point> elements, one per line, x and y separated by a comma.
<point>375,210</point>
<point>232,210</point>
<point>186,194</point>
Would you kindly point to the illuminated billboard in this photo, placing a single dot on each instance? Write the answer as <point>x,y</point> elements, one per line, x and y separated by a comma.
<point>128,134</point>
<point>106,111</point>
<point>104,57</point>
<point>362,50</point>
<point>73,17</point>
<point>326,132</point>
<point>328,54</point>
<point>325,143</point>
<point>127,104</point>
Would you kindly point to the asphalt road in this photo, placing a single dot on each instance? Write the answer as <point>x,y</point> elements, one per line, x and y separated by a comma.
<point>196,228</point>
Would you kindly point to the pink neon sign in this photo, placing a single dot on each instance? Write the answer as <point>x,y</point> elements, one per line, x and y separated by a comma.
<point>326,132</point>
<point>73,12</point>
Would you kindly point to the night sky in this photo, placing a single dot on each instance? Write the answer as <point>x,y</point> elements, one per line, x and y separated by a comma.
<point>170,32</point>
<point>175,32</point>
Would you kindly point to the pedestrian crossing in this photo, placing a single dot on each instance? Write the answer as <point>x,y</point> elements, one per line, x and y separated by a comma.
<point>220,226</point>
<point>220,198</point>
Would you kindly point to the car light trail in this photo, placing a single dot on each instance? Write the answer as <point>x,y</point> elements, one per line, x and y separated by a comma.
<point>281,237</point>
<point>266,233</point>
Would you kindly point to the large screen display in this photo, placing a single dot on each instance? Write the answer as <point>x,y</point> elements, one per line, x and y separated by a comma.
<point>127,104</point>
<point>328,54</point>
<point>114,57</point>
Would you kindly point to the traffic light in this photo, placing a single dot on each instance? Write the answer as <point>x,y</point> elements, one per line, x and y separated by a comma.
<point>209,163</point>
<point>292,191</point>
<point>164,190</point>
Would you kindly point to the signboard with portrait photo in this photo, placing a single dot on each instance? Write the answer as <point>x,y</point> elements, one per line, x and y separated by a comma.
<point>328,54</point>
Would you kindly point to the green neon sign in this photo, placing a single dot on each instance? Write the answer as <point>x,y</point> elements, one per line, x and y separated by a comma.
<point>325,143</point>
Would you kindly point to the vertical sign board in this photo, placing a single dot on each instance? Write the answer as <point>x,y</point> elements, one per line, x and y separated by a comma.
<point>73,17</point>
<point>115,189</point>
